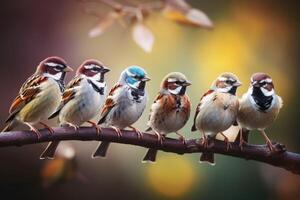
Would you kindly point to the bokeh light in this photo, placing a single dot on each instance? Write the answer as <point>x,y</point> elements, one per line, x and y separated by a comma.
<point>172,176</point>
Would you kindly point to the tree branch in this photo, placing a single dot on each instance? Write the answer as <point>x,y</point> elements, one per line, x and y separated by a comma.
<point>280,158</point>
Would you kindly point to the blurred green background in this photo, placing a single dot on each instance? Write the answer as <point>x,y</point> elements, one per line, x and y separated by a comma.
<point>249,36</point>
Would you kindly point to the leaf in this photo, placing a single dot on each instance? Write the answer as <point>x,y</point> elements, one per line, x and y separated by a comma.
<point>143,36</point>
<point>179,11</point>
<point>199,18</point>
<point>103,24</point>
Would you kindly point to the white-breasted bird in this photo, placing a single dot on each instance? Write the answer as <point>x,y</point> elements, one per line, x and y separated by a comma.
<point>39,96</point>
<point>124,104</point>
<point>217,111</point>
<point>81,100</point>
<point>170,110</point>
<point>259,106</point>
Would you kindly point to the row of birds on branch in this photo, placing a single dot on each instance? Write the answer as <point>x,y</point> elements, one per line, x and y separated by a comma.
<point>44,96</point>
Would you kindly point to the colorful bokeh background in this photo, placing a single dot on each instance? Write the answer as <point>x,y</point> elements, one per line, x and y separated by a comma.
<point>249,36</point>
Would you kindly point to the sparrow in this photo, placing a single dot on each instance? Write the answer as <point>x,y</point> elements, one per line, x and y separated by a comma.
<point>39,96</point>
<point>81,100</point>
<point>124,105</point>
<point>217,111</point>
<point>259,106</point>
<point>170,110</point>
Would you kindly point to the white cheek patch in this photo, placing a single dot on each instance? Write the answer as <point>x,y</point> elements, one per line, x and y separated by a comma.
<point>224,90</point>
<point>56,76</point>
<point>267,92</point>
<point>96,77</point>
<point>176,90</point>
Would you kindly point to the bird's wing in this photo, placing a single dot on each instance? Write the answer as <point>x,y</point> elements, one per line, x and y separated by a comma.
<point>157,98</point>
<point>110,102</point>
<point>68,94</point>
<point>28,92</point>
<point>203,99</point>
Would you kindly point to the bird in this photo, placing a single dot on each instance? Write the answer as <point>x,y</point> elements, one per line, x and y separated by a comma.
<point>170,110</point>
<point>124,105</point>
<point>81,100</point>
<point>259,106</point>
<point>217,111</point>
<point>39,96</point>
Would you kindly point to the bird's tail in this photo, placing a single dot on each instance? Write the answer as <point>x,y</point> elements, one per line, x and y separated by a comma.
<point>207,157</point>
<point>101,150</point>
<point>8,127</point>
<point>150,155</point>
<point>49,152</point>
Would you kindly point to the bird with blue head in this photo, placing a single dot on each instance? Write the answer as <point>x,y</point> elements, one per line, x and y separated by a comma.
<point>124,105</point>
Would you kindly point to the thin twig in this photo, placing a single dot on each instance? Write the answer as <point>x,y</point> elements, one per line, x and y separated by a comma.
<point>280,158</point>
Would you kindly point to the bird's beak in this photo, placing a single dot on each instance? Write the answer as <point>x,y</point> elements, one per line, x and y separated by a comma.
<point>237,84</point>
<point>105,69</point>
<point>146,78</point>
<point>187,83</point>
<point>68,69</point>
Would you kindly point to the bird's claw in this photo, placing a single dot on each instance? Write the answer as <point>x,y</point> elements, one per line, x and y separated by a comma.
<point>241,144</point>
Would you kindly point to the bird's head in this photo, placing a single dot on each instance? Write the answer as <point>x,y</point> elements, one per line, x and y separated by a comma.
<point>93,69</point>
<point>262,82</point>
<point>134,76</point>
<point>175,83</point>
<point>53,67</point>
<point>226,83</point>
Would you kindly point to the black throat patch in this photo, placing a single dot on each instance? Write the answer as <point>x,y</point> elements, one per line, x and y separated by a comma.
<point>263,102</point>
<point>96,88</point>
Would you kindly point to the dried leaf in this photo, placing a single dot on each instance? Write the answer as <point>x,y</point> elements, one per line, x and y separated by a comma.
<point>199,18</point>
<point>181,12</point>
<point>104,23</point>
<point>143,36</point>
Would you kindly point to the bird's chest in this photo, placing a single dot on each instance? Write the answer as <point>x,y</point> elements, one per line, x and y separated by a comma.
<point>88,103</point>
<point>129,109</point>
<point>219,114</point>
<point>43,105</point>
<point>170,114</point>
<point>250,115</point>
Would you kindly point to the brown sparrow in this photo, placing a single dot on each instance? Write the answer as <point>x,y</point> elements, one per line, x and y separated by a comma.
<point>81,100</point>
<point>259,107</point>
<point>217,111</point>
<point>170,110</point>
<point>39,96</point>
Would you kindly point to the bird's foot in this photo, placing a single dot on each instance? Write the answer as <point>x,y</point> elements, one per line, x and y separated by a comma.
<point>241,144</point>
<point>97,127</point>
<point>118,131</point>
<point>137,131</point>
<point>73,126</point>
<point>47,127</point>
<point>33,129</point>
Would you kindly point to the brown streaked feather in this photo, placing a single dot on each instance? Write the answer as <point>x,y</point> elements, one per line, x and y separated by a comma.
<point>68,95</point>
<point>27,92</point>
<point>111,92</point>
<point>198,109</point>
<point>109,104</point>
<point>158,97</point>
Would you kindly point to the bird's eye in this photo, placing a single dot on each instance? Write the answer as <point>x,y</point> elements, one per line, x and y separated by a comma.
<point>178,82</point>
<point>228,81</point>
<point>58,69</point>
